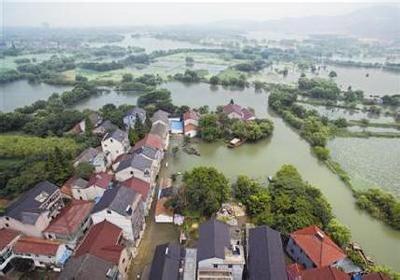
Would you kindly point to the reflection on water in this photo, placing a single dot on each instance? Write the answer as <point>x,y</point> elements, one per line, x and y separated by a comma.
<point>372,162</point>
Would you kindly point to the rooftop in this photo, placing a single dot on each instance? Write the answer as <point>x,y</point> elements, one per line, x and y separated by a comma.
<point>375,276</point>
<point>213,239</point>
<point>87,155</point>
<point>235,108</point>
<point>150,140</point>
<point>166,262</point>
<point>6,237</point>
<point>102,241</point>
<point>117,134</point>
<point>161,209</point>
<point>138,185</point>
<point>159,129</point>
<point>160,115</point>
<point>137,161</point>
<point>325,273</point>
<point>36,246</point>
<point>101,180</point>
<point>27,208</point>
<point>318,246</point>
<point>191,115</point>
<point>71,217</point>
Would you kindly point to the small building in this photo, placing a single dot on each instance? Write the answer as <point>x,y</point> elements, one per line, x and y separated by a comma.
<point>124,208</point>
<point>105,241</point>
<point>163,213</point>
<point>235,111</point>
<point>176,126</point>
<point>219,253</point>
<point>151,153</point>
<point>43,252</point>
<point>311,247</point>
<point>161,130</point>
<point>93,156</point>
<point>142,187</point>
<point>325,273</point>
<point>7,240</point>
<point>115,144</point>
<point>191,123</point>
<point>166,262</point>
<point>266,260</point>
<point>150,140</point>
<point>72,222</point>
<point>93,117</point>
<point>89,267</point>
<point>136,165</point>
<point>34,210</point>
<point>131,116</point>
<point>160,116</point>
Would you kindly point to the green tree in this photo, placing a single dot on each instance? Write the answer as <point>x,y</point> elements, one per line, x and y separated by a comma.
<point>84,170</point>
<point>322,153</point>
<point>332,74</point>
<point>209,128</point>
<point>126,78</point>
<point>205,189</point>
<point>338,232</point>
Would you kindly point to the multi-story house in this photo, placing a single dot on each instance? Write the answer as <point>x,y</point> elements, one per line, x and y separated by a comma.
<point>161,130</point>
<point>34,210</point>
<point>133,114</point>
<point>136,165</point>
<point>160,116</point>
<point>142,187</point>
<point>220,253</point>
<point>115,144</point>
<point>167,262</point>
<point>235,111</point>
<point>8,238</point>
<point>72,222</point>
<point>191,123</point>
<point>124,208</point>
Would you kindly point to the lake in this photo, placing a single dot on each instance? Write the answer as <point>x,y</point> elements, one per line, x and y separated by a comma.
<point>20,93</point>
<point>266,157</point>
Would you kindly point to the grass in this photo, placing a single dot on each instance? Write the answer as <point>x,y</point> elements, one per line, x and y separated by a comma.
<point>366,134</point>
<point>229,73</point>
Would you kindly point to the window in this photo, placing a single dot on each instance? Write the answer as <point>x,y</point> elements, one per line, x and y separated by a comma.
<point>7,225</point>
<point>7,218</point>
<point>123,260</point>
<point>117,152</point>
<point>131,172</point>
<point>108,211</point>
<point>215,265</point>
<point>229,266</point>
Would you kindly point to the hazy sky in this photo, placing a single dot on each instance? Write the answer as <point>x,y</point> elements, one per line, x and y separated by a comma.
<point>62,14</point>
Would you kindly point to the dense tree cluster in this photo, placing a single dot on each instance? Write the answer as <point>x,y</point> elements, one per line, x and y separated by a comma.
<point>156,99</point>
<point>319,88</point>
<point>101,66</point>
<point>189,76</point>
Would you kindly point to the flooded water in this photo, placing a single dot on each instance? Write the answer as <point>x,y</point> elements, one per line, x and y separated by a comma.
<point>372,162</point>
<point>21,93</point>
<point>265,158</point>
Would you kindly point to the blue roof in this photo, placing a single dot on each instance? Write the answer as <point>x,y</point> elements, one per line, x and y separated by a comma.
<point>176,125</point>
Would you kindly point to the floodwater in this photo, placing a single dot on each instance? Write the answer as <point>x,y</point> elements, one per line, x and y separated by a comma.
<point>372,162</point>
<point>20,93</point>
<point>266,157</point>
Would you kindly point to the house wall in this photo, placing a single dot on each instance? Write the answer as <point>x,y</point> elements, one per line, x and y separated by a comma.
<point>191,133</point>
<point>124,222</point>
<point>137,220</point>
<point>129,172</point>
<point>298,255</point>
<point>30,230</point>
<point>123,264</point>
<point>114,148</point>
<point>164,219</point>
<point>234,115</point>
<point>73,237</point>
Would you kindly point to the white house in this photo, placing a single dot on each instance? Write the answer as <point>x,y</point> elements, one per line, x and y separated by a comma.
<point>235,111</point>
<point>115,144</point>
<point>124,208</point>
<point>163,214</point>
<point>191,123</point>
<point>136,165</point>
<point>160,116</point>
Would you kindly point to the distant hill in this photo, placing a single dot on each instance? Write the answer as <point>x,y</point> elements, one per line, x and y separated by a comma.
<point>381,22</point>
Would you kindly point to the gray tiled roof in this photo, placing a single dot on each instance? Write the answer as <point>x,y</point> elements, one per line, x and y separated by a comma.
<point>137,111</point>
<point>87,267</point>
<point>87,155</point>
<point>147,151</point>
<point>137,161</point>
<point>116,199</point>
<point>265,255</point>
<point>159,129</point>
<point>80,183</point>
<point>117,134</point>
<point>213,239</point>
<point>27,208</point>
<point>160,115</point>
<point>166,261</point>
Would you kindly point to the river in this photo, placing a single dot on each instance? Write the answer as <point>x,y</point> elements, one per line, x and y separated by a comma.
<point>266,157</point>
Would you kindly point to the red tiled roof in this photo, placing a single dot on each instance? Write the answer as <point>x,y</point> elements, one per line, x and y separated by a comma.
<point>150,140</point>
<point>321,250</point>
<point>325,273</point>
<point>138,185</point>
<point>6,236</point>
<point>101,180</point>
<point>102,241</point>
<point>190,127</point>
<point>161,209</point>
<point>294,271</point>
<point>243,112</point>
<point>36,246</point>
<point>70,217</point>
<point>67,187</point>
<point>375,276</point>
<point>191,115</point>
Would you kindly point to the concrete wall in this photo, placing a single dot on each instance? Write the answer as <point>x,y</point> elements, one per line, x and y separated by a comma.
<point>114,147</point>
<point>89,193</point>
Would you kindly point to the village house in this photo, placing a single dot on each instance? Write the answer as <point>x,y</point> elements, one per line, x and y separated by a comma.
<point>72,222</point>
<point>89,267</point>
<point>325,273</point>
<point>104,128</point>
<point>93,156</point>
<point>219,252</point>
<point>163,214</point>
<point>34,210</point>
<point>160,116</point>
<point>115,144</point>
<point>105,241</point>
<point>43,252</point>
<point>311,247</point>
<point>151,141</point>
<point>145,190</point>
<point>191,123</point>
<point>124,208</point>
<point>166,262</point>
<point>375,276</point>
<point>136,165</point>
<point>151,153</point>
<point>161,130</point>
<point>265,255</point>
<point>131,116</point>
<point>8,238</point>
<point>93,117</point>
<point>235,111</point>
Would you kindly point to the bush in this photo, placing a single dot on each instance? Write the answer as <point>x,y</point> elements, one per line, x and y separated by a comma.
<point>322,153</point>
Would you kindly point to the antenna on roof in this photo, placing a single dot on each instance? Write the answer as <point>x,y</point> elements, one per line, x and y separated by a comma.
<point>320,235</point>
